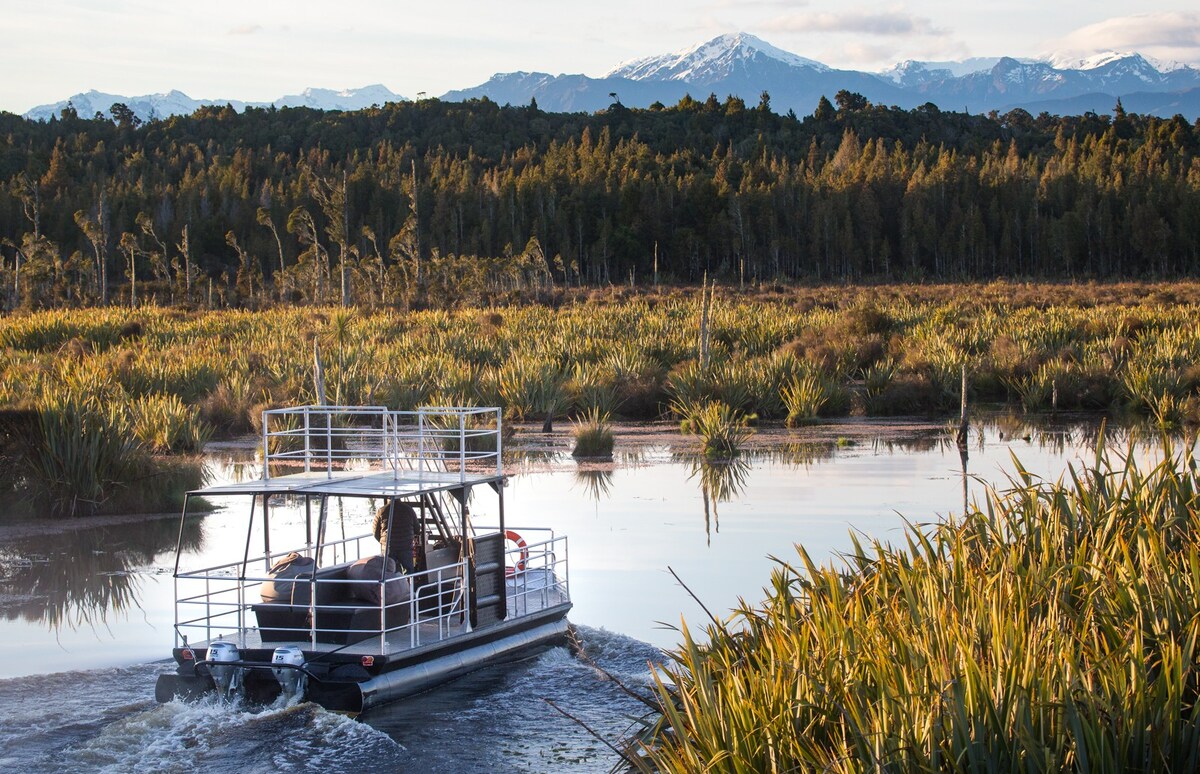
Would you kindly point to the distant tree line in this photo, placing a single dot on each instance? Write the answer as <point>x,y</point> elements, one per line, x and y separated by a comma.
<point>432,202</point>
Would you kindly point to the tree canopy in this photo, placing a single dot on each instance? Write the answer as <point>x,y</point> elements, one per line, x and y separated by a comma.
<point>410,200</point>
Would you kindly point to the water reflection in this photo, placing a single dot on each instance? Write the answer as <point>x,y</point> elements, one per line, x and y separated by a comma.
<point>78,578</point>
<point>596,483</point>
<point>720,482</point>
<point>798,453</point>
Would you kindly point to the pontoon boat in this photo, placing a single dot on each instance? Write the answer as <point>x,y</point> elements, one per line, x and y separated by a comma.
<point>332,620</point>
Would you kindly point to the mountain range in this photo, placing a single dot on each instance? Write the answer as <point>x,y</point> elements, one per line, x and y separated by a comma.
<point>742,65</point>
<point>175,103</point>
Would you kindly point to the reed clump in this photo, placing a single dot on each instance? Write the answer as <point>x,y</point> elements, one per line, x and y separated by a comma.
<point>164,425</point>
<point>722,428</point>
<point>811,396</point>
<point>593,435</point>
<point>1055,626</point>
<point>83,448</point>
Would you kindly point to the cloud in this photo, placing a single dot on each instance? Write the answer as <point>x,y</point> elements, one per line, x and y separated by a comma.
<point>742,5</point>
<point>882,23</point>
<point>1171,34</point>
<point>245,29</point>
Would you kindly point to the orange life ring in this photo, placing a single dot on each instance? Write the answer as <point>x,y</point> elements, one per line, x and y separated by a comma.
<point>521,544</point>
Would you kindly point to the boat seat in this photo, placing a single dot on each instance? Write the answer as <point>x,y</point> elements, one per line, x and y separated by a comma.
<point>340,619</point>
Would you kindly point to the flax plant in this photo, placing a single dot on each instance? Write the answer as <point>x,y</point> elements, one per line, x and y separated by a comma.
<point>810,396</point>
<point>722,428</point>
<point>593,436</point>
<point>164,425</point>
<point>1054,626</point>
<point>85,449</point>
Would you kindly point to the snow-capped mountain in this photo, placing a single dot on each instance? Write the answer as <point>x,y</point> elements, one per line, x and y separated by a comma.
<point>737,64</point>
<point>742,65</point>
<point>711,62</point>
<point>175,103</point>
<point>912,73</point>
<point>1062,60</point>
<point>145,107</point>
<point>570,93</point>
<point>983,84</point>
<point>346,99</point>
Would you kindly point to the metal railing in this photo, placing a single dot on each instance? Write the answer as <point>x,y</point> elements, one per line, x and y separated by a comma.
<point>537,573</point>
<point>219,601</point>
<point>331,438</point>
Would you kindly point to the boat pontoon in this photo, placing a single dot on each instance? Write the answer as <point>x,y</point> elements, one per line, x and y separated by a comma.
<point>333,620</point>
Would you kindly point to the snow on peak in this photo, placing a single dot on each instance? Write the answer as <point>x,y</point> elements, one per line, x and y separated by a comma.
<point>1073,61</point>
<point>912,71</point>
<point>718,54</point>
<point>1168,66</point>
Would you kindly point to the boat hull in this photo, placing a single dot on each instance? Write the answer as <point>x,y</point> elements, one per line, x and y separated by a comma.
<point>353,689</point>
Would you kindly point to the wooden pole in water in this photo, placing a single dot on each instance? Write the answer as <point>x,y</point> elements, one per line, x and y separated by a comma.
<point>963,426</point>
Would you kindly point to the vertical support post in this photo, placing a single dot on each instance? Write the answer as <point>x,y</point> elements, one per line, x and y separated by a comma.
<point>307,443</point>
<point>307,525</point>
<point>499,445</point>
<point>396,444</point>
<point>462,454</point>
<point>328,444</point>
<point>500,494</point>
<point>249,534</point>
<point>266,531</point>
<point>420,441</point>
<point>322,522</point>
<point>179,539</point>
<point>266,421</point>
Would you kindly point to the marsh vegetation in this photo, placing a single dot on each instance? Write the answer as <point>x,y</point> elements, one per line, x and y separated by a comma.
<point>90,394</point>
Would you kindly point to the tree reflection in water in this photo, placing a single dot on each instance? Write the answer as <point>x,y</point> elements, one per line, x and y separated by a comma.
<point>77,578</point>
<point>720,481</point>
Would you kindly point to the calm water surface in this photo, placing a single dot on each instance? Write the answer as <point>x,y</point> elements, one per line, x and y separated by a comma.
<point>83,617</point>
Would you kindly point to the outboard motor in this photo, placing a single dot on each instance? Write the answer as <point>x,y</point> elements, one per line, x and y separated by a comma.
<point>292,682</point>
<point>227,677</point>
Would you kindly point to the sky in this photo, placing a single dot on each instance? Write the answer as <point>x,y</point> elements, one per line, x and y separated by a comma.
<point>260,50</point>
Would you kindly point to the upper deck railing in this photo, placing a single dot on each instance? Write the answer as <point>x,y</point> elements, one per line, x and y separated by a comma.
<point>334,438</point>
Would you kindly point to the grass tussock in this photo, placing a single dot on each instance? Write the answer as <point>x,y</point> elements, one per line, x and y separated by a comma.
<point>722,428</point>
<point>164,425</point>
<point>85,449</point>
<point>1056,626</point>
<point>593,436</point>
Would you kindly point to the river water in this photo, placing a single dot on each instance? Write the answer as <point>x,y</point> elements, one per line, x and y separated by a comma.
<point>86,617</point>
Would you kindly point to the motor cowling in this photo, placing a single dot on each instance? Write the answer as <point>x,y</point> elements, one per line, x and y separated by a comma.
<point>292,681</point>
<point>221,657</point>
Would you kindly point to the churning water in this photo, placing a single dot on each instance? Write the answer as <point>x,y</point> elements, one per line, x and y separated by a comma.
<point>500,719</point>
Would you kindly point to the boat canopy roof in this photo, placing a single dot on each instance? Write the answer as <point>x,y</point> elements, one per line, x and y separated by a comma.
<point>354,484</point>
<point>373,451</point>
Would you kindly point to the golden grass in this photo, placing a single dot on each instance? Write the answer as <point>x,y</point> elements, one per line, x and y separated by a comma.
<point>1053,627</point>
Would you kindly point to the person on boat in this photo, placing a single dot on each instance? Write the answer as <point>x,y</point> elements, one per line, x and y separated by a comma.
<point>398,541</point>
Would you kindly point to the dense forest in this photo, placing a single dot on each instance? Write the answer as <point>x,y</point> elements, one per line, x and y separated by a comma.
<point>432,202</point>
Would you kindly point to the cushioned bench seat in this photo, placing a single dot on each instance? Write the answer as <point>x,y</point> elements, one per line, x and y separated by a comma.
<point>343,610</point>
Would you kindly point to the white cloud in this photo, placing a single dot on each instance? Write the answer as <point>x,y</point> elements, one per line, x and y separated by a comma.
<point>1166,35</point>
<point>881,23</point>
